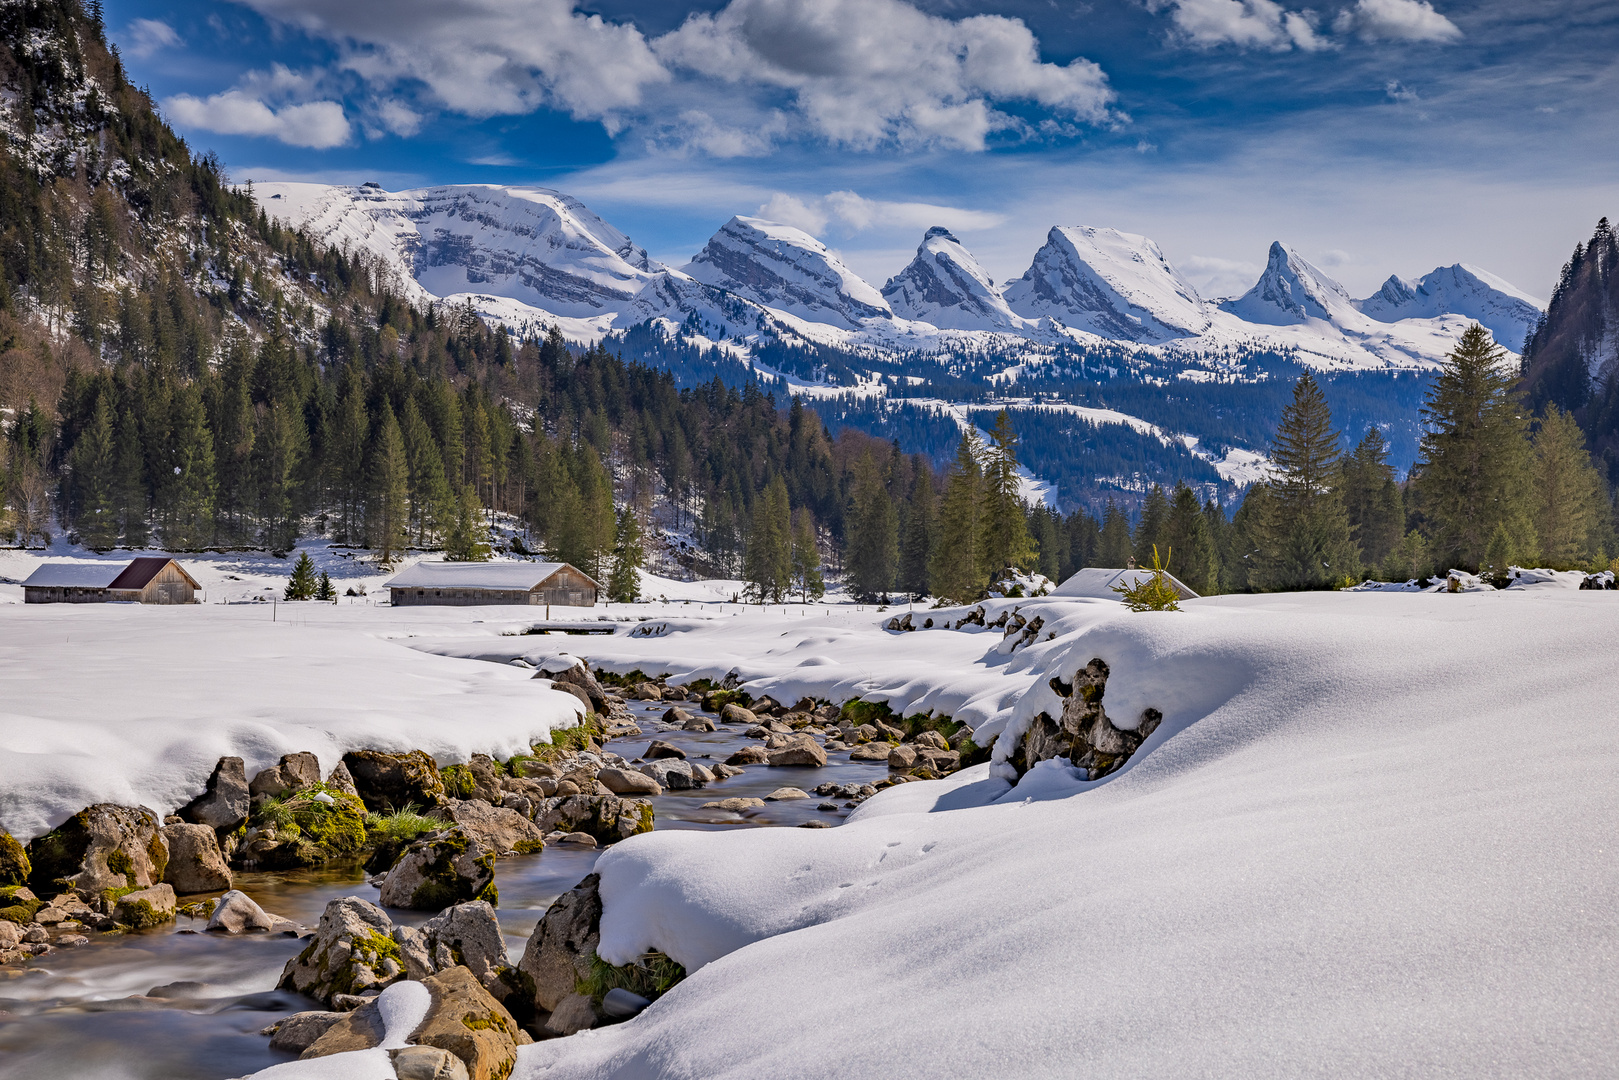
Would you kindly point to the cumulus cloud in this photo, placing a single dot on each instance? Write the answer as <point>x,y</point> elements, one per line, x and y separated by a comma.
<point>316,124</point>
<point>852,212</point>
<point>1397,20</point>
<point>147,36</point>
<point>1254,24</point>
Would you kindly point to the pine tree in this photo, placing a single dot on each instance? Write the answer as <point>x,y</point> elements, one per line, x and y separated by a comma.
<point>324,590</point>
<point>302,584</point>
<point>188,518</point>
<point>767,562</point>
<point>624,580</point>
<point>1474,472</point>
<point>1006,527</point>
<point>94,475</point>
<point>873,546</point>
<point>1303,537</point>
<point>1114,545</point>
<point>347,458</point>
<point>432,505</point>
<point>1187,534</point>
<point>466,540</point>
<point>807,579</point>
<point>959,571</point>
<point>1049,540</point>
<point>129,484</point>
<point>1373,500</point>
<point>921,528</point>
<point>1569,504</point>
<point>1149,531</point>
<point>388,508</point>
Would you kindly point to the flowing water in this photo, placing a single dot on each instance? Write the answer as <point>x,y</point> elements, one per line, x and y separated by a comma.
<point>90,1014</point>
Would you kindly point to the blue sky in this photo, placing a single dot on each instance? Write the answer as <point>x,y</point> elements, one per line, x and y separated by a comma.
<point>1375,136</point>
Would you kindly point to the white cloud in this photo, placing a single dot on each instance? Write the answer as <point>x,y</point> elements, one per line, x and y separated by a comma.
<point>398,118</point>
<point>1254,24</point>
<point>147,36</point>
<point>851,212</point>
<point>1397,20</point>
<point>1216,277</point>
<point>316,124</point>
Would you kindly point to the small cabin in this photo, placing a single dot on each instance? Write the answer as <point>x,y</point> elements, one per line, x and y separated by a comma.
<point>1098,583</point>
<point>471,584</point>
<point>150,579</point>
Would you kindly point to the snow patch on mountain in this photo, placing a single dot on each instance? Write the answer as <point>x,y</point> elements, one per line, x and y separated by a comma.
<point>1506,311</point>
<point>1292,291</point>
<point>945,286</point>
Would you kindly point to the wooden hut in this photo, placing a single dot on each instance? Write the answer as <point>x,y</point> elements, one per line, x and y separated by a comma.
<point>1097,583</point>
<point>470,584</point>
<point>150,579</point>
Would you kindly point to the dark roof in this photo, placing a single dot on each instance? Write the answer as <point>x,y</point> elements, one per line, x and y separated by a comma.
<point>140,572</point>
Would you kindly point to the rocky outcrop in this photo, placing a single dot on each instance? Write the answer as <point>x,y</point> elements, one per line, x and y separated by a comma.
<point>468,935</point>
<point>293,772</point>
<point>579,676</point>
<point>394,781</point>
<point>1084,734</point>
<point>561,953</point>
<point>223,805</point>
<point>353,951</point>
<point>296,1033</point>
<point>441,869</point>
<point>101,847</point>
<point>196,864</point>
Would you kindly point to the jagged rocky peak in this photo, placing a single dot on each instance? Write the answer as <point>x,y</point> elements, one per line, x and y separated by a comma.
<point>944,285</point>
<point>1290,291</point>
<point>1113,284</point>
<point>1506,311</point>
<point>787,269</point>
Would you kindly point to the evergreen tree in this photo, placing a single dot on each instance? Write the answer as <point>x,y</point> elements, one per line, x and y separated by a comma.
<point>1049,540</point>
<point>921,528</point>
<point>466,540</point>
<point>432,504</point>
<point>388,508</point>
<point>624,580</point>
<point>324,590</point>
<point>959,571</point>
<point>1373,500</point>
<point>302,585</point>
<point>94,476</point>
<point>1006,528</point>
<point>188,517</point>
<point>767,562</point>
<point>1303,538</point>
<point>1569,503</point>
<point>873,544</point>
<point>807,578</point>
<point>233,430</point>
<point>129,484</point>
<point>1187,535</point>
<point>348,455</point>
<point>1473,476</point>
<point>1113,543</point>
<point>1150,529</point>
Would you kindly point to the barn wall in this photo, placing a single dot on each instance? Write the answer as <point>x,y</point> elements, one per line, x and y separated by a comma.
<point>36,594</point>
<point>168,587</point>
<point>457,597</point>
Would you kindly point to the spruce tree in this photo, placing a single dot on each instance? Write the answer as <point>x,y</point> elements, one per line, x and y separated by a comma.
<point>1006,526</point>
<point>1373,500</point>
<point>873,545</point>
<point>624,579</point>
<point>302,585</point>
<point>1569,502</point>
<point>432,504</point>
<point>1303,538</point>
<point>1149,532</point>
<point>807,578</point>
<point>323,589</point>
<point>767,561</point>
<point>388,507</point>
<point>94,475</point>
<point>1113,544</point>
<point>129,484</point>
<point>1474,472</point>
<point>921,528</point>
<point>959,571</point>
<point>188,519</point>
<point>466,540</point>
<point>1187,535</point>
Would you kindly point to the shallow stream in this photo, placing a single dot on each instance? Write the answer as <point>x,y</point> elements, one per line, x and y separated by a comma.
<point>89,1014</point>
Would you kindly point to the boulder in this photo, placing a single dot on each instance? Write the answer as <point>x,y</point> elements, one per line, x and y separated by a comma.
<point>671,773</point>
<point>608,818</point>
<point>293,772</point>
<point>145,908</point>
<point>785,794</point>
<point>395,781</point>
<point>101,847</point>
<point>700,774</point>
<point>10,935</point>
<point>627,782</point>
<point>579,677</point>
<point>573,1014</point>
<point>426,1063</point>
<point>441,869</point>
<point>931,739</point>
<point>645,691</point>
<point>698,723</point>
<point>877,751</point>
<point>733,713</point>
<point>735,805</point>
<point>661,749</point>
<point>223,805</point>
<point>496,828</point>
<point>940,761</point>
<point>466,1021</point>
<point>469,935</point>
<point>676,715</point>
<point>578,692</point>
<point>353,950</point>
<point>342,781</point>
<point>748,755</point>
<point>562,950</point>
<point>485,778</point>
<point>723,771</point>
<point>14,866</point>
<point>236,913</point>
<point>798,750</point>
<point>196,864</point>
<point>296,1033</point>
<point>902,756</point>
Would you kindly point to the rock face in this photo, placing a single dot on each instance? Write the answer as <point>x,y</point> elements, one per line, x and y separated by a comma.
<point>1084,734</point>
<point>236,913</point>
<point>944,285</point>
<point>562,950</point>
<point>395,781</point>
<point>441,869</point>
<point>101,847</point>
<point>196,864</point>
<point>353,950</point>
<point>223,806</point>
<point>496,828</point>
<point>146,908</point>
<point>608,818</point>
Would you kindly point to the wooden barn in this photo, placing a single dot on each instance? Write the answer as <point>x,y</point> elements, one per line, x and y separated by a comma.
<point>470,584</point>
<point>150,579</point>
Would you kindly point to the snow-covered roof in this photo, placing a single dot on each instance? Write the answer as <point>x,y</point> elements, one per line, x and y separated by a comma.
<point>487,575</point>
<point>1098,582</point>
<point>74,575</point>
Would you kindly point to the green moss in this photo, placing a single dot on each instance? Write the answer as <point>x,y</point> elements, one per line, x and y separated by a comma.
<point>381,948</point>
<point>400,826</point>
<point>140,914</point>
<point>14,865</point>
<point>488,1022</point>
<point>119,863</point>
<point>324,830</point>
<point>442,886</point>
<point>458,781</point>
<point>565,742</point>
<point>109,897</point>
<point>646,818</point>
<point>529,847</point>
<point>21,911</point>
<point>859,712</point>
<point>157,849</point>
<point>651,976</point>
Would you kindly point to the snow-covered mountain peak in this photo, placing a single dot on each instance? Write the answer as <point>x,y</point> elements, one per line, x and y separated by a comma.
<point>1291,291</point>
<point>1109,283</point>
<point>1506,311</point>
<point>945,286</point>
<point>788,269</point>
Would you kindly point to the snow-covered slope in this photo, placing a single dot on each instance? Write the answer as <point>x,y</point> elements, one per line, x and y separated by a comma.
<point>1109,283</point>
<point>945,286</point>
<point>1292,291</point>
<point>1506,311</point>
<point>788,269</point>
<point>534,245</point>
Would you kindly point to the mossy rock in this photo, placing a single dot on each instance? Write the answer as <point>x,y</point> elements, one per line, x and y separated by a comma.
<point>651,976</point>
<point>18,909</point>
<point>859,712</point>
<point>102,846</point>
<point>14,865</point>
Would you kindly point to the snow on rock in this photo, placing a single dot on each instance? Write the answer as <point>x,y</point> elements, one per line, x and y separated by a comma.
<point>945,286</point>
<point>787,269</point>
<point>1332,857</point>
<point>1113,284</point>
<point>1292,291</point>
<point>1506,311</point>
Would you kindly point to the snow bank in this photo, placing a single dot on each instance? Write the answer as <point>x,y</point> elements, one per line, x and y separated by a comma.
<point>402,1008</point>
<point>1369,838</point>
<point>135,705</point>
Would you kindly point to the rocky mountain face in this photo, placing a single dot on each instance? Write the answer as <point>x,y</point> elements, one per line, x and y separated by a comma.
<point>945,286</point>
<point>1292,291</point>
<point>1508,313</point>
